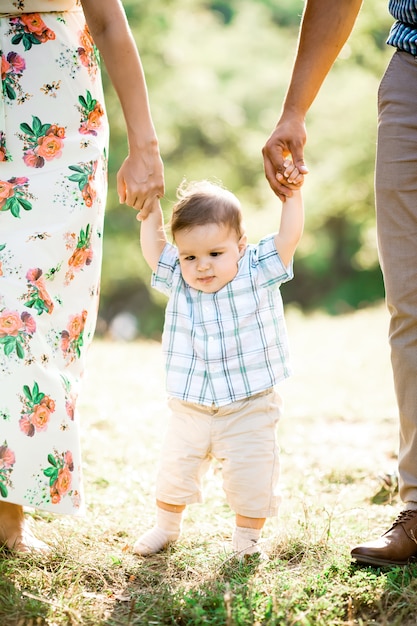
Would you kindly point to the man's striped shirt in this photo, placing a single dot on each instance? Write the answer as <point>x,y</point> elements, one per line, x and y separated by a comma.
<point>403,34</point>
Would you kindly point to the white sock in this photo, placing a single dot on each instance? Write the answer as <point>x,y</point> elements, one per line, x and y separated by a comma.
<point>166,530</point>
<point>245,541</point>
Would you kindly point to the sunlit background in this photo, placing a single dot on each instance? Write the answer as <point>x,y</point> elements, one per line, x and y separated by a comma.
<point>217,73</point>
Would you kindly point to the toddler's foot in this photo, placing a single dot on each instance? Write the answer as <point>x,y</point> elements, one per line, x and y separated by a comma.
<point>153,541</point>
<point>246,543</point>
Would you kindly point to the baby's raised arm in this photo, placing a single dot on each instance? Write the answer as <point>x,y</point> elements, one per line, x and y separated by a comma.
<point>292,214</point>
<point>152,235</point>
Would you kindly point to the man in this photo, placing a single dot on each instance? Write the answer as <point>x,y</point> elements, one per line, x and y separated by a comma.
<point>325,27</point>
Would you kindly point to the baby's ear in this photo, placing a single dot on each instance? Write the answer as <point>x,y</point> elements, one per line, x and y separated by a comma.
<point>242,243</point>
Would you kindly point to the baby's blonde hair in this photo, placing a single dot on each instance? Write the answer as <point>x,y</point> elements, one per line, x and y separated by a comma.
<point>203,202</point>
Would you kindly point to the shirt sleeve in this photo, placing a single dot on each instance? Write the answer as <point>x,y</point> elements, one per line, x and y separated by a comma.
<point>168,266</point>
<point>272,270</point>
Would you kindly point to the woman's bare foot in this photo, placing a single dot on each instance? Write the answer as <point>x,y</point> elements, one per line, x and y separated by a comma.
<point>14,530</point>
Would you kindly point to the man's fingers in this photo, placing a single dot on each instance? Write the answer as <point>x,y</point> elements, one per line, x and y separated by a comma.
<point>270,174</point>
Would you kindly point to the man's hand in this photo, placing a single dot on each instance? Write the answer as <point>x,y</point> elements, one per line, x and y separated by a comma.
<point>287,140</point>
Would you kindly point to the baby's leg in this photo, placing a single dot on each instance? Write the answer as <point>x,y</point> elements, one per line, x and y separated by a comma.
<point>246,535</point>
<point>247,448</point>
<point>184,460</point>
<point>166,530</point>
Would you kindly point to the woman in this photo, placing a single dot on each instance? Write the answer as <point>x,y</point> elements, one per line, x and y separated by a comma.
<point>53,153</point>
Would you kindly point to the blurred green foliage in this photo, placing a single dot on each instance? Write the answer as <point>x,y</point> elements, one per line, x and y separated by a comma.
<point>217,73</point>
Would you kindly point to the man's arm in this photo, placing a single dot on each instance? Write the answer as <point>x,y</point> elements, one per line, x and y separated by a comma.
<point>152,236</point>
<point>325,27</point>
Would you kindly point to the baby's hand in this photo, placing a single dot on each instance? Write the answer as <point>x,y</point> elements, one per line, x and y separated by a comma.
<point>291,177</point>
<point>151,208</point>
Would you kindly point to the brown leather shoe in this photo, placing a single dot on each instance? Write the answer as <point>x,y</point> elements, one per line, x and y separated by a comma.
<point>398,546</point>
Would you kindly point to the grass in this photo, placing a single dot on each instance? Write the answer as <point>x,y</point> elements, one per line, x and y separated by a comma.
<point>338,439</point>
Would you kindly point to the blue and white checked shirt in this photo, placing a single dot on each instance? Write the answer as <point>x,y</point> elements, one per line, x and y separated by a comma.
<point>403,34</point>
<point>229,345</point>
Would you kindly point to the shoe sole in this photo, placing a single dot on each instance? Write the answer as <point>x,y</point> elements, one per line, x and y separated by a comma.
<point>382,562</point>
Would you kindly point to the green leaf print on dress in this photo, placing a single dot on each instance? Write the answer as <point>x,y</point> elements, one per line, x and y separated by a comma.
<point>84,177</point>
<point>91,114</point>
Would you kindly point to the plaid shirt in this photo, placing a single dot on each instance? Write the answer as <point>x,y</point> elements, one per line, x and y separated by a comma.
<point>403,34</point>
<point>229,345</point>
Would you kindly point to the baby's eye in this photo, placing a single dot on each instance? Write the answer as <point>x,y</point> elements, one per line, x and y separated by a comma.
<point>215,253</point>
<point>189,258</point>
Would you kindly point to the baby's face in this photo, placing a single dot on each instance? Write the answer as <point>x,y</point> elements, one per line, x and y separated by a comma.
<point>209,255</point>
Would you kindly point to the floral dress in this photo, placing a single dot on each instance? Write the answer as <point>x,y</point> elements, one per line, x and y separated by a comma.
<point>53,141</point>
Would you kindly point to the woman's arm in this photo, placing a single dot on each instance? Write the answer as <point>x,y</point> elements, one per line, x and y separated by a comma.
<point>141,176</point>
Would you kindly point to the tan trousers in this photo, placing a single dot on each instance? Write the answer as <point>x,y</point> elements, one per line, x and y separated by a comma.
<point>396,205</point>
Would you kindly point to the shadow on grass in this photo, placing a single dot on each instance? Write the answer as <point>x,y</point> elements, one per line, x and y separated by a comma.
<point>173,587</point>
<point>17,606</point>
<point>396,602</point>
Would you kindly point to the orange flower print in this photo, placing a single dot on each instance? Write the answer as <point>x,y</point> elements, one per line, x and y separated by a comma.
<point>91,114</point>
<point>40,417</point>
<point>37,296</point>
<point>76,325</point>
<point>30,29</point>
<point>87,52</point>
<point>37,409</point>
<point>72,338</point>
<point>81,256</point>
<point>7,460</point>
<point>12,68</point>
<point>6,191</point>
<point>59,474</point>
<point>10,324</point>
<point>50,147</point>
<point>41,142</point>
<point>63,483</point>
<point>16,331</point>
<point>14,195</point>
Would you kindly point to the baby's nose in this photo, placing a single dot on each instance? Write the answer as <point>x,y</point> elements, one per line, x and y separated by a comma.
<point>203,265</point>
